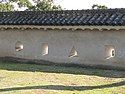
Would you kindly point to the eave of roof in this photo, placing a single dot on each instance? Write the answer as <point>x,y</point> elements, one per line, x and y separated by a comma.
<point>73,28</point>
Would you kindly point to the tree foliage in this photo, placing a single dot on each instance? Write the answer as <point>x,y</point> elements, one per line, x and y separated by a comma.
<point>96,6</point>
<point>36,5</point>
<point>22,3</point>
<point>6,7</point>
<point>44,5</point>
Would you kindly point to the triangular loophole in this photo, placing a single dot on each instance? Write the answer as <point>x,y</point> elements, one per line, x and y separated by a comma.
<point>73,52</point>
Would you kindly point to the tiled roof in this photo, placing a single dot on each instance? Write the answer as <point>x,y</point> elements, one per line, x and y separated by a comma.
<point>108,17</point>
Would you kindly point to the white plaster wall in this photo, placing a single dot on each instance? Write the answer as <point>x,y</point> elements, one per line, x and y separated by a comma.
<point>89,44</point>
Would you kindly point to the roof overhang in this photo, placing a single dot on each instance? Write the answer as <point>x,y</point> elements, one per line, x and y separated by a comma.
<point>73,28</point>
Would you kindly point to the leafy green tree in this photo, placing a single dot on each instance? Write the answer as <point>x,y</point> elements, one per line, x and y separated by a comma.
<point>44,5</point>
<point>96,6</point>
<point>37,5</point>
<point>6,7</point>
<point>22,3</point>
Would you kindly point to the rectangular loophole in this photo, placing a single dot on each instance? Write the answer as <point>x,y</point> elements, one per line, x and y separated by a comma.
<point>45,49</point>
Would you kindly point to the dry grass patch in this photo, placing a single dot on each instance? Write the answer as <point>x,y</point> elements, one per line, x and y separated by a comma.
<point>18,78</point>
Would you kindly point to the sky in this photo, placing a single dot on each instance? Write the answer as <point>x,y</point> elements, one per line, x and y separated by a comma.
<point>86,4</point>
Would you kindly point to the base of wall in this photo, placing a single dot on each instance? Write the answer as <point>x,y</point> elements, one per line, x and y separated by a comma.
<point>43,62</point>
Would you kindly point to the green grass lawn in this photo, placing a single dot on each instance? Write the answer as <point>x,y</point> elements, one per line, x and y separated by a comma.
<point>18,78</point>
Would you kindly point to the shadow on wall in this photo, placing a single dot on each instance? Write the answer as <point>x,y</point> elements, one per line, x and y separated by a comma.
<point>61,87</point>
<point>50,68</point>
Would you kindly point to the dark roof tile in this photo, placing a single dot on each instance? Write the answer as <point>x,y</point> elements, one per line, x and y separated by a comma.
<point>65,17</point>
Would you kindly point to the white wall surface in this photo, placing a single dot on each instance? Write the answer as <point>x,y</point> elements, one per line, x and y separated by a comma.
<point>90,45</point>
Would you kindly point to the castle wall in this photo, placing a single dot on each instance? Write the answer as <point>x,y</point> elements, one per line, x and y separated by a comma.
<point>90,45</point>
